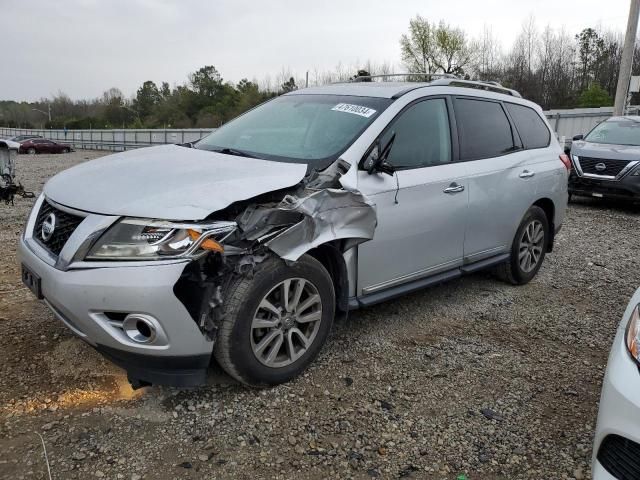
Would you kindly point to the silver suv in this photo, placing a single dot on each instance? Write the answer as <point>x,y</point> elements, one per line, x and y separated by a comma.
<point>244,245</point>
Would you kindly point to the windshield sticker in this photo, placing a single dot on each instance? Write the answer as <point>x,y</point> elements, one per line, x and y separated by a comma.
<point>356,109</point>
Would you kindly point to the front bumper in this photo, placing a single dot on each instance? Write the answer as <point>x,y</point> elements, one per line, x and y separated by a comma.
<point>619,413</point>
<point>626,188</point>
<point>89,301</point>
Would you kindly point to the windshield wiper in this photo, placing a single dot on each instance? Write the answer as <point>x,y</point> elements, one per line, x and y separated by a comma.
<point>233,151</point>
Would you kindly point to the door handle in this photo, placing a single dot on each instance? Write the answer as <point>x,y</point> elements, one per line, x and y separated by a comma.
<point>454,188</point>
<point>527,174</point>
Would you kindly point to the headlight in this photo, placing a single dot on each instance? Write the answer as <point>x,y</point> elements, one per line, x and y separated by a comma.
<point>146,239</point>
<point>633,334</point>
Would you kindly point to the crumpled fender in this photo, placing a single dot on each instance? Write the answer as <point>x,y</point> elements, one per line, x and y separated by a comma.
<point>329,214</point>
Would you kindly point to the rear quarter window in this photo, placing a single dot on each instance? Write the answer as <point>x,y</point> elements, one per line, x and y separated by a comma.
<point>532,129</point>
<point>483,129</point>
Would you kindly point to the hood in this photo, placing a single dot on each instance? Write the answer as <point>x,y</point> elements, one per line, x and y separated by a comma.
<point>168,182</point>
<point>605,150</point>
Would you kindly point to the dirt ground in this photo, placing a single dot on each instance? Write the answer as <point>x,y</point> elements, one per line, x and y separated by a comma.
<point>473,379</point>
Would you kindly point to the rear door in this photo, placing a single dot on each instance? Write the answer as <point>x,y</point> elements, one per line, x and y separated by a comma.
<point>501,184</point>
<point>421,209</point>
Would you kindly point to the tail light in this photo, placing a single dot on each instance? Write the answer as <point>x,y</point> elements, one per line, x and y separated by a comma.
<point>564,158</point>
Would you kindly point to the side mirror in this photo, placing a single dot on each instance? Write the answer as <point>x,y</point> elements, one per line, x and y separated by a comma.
<point>578,137</point>
<point>377,159</point>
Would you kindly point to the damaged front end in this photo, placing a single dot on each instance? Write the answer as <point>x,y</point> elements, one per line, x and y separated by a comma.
<point>320,212</point>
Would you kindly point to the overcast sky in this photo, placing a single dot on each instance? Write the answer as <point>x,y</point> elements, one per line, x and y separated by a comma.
<point>84,47</point>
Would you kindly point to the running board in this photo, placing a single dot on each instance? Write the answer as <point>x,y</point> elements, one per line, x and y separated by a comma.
<point>484,264</point>
<point>400,290</point>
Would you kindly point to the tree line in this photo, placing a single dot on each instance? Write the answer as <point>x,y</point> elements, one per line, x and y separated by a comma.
<point>552,67</point>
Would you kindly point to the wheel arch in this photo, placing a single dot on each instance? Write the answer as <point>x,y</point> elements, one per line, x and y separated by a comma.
<point>330,256</point>
<point>549,208</point>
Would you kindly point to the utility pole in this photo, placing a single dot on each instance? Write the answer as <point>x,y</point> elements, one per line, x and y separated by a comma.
<point>626,61</point>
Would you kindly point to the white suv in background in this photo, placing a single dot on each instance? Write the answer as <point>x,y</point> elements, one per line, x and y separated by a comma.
<point>243,245</point>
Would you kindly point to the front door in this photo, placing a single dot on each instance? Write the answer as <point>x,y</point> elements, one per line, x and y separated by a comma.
<point>422,208</point>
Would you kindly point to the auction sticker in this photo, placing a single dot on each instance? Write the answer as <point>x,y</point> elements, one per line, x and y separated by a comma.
<point>355,109</point>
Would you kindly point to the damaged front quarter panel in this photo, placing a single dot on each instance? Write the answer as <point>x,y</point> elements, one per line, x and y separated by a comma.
<point>320,211</point>
<point>325,207</point>
<point>328,214</point>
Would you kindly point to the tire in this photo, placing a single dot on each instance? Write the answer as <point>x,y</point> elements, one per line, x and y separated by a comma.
<point>514,271</point>
<point>65,150</point>
<point>31,151</point>
<point>238,348</point>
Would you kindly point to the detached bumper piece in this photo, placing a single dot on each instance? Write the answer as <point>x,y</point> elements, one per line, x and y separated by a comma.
<point>145,370</point>
<point>620,457</point>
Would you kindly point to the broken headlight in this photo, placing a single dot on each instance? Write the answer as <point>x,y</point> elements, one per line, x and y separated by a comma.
<point>146,239</point>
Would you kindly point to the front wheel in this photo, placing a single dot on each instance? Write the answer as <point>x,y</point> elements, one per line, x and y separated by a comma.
<point>528,248</point>
<point>31,151</point>
<point>65,150</point>
<point>275,322</point>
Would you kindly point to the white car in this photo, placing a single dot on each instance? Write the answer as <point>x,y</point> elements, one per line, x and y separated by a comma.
<point>616,447</point>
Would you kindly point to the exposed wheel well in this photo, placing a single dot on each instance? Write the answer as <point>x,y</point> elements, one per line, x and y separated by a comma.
<point>546,204</point>
<point>330,256</point>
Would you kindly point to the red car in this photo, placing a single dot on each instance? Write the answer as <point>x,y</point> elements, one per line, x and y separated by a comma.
<point>42,145</point>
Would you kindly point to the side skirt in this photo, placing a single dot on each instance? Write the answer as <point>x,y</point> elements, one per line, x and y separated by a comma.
<point>405,288</point>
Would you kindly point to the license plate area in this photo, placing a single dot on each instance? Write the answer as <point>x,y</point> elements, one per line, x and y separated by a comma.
<point>32,281</point>
<point>598,195</point>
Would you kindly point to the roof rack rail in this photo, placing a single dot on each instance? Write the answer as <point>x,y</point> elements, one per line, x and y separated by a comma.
<point>428,76</point>
<point>489,86</point>
<point>441,79</point>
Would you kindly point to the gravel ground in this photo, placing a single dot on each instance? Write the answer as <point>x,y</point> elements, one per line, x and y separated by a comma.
<point>473,379</point>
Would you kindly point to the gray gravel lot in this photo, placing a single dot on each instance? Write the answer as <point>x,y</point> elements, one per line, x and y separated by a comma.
<point>473,379</point>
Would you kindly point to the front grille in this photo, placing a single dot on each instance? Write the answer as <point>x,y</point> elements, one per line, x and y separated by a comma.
<point>65,225</point>
<point>620,457</point>
<point>612,167</point>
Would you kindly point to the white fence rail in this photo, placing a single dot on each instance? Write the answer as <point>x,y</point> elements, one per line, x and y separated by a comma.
<point>115,140</point>
<point>566,124</point>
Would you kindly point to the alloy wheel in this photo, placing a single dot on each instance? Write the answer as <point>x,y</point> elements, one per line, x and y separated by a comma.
<point>286,322</point>
<point>531,244</point>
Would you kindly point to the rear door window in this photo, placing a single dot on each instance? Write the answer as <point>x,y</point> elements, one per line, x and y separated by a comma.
<point>532,129</point>
<point>484,130</point>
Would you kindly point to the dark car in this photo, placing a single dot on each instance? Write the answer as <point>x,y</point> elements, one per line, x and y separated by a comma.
<point>607,160</point>
<point>22,138</point>
<point>42,145</point>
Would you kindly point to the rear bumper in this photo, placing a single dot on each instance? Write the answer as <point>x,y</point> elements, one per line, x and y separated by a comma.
<point>626,188</point>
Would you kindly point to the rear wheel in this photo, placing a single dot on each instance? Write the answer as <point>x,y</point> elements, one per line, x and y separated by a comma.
<point>275,322</point>
<point>528,248</point>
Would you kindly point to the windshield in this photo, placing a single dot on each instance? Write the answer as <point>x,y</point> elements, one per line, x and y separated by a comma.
<point>623,132</point>
<point>297,128</point>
